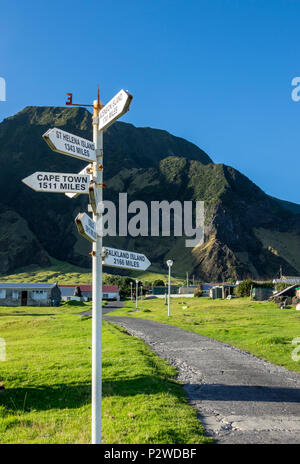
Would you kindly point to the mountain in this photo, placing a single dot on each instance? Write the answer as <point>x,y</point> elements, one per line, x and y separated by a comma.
<point>248,233</point>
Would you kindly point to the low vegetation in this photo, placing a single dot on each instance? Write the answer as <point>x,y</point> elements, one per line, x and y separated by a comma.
<point>260,328</point>
<point>45,390</point>
<point>65,273</point>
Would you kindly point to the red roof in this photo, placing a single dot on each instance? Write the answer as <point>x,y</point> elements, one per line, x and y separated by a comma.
<point>88,288</point>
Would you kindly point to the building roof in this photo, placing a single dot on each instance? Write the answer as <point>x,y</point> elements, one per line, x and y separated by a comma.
<point>287,280</point>
<point>286,290</point>
<point>89,288</point>
<point>31,286</point>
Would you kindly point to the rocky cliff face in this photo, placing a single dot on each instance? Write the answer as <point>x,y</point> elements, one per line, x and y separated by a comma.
<point>247,232</point>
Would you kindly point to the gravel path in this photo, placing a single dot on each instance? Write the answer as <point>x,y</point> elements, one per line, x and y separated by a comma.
<point>239,398</point>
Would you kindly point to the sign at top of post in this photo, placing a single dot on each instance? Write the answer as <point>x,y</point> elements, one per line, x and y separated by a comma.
<point>114,109</point>
<point>69,144</point>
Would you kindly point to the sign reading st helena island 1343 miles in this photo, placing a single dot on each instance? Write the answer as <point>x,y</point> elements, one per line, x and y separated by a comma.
<point>125,259</point>
<point>58,182</point>
<point>69,144</point>
<point>114,109</point>
<point>86,226</point>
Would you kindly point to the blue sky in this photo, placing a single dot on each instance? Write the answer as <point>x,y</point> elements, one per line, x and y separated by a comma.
<point>216,72</point>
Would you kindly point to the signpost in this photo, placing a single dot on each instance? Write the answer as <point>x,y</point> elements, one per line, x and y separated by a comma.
<point>86,227</point>
<point>125,259</point>
<point>114,109</point>
<point>57,182</point>
<point>69,144</point>
<point>90,180</point>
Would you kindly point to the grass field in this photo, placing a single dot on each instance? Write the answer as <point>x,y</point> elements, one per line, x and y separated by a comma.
<point>47,376</point>
<point>257,327</point>
<point>65,273</point>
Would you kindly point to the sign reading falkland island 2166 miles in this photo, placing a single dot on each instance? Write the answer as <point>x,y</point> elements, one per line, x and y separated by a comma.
<point>125,259</point>
<point>69,144</point>
<point>114,109</point>
<point>86,226</point>
<point>58,182</point>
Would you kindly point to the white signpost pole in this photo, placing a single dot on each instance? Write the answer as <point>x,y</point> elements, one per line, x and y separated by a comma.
<point>97,286</point>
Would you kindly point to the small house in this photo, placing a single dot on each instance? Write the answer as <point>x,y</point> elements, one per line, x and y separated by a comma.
<point>109,292</point>
<point>29,294</point>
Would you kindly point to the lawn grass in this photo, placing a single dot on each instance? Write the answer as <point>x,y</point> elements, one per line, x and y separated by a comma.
<point>65,273</point>
<point>47,375</point>
<point>260,328</point>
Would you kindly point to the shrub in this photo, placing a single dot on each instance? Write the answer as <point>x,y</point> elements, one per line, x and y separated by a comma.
<point>281,286</point>
<point>199,291</point>
<point>122,282</point>
<point>244,288</point>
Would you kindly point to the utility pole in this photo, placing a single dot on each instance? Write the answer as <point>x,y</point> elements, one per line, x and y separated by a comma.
<point>187,279</point>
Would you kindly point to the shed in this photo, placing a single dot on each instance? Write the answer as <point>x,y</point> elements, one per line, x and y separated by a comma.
<point>221,291</point>
<point>261,294</point>
<point>29,294</point>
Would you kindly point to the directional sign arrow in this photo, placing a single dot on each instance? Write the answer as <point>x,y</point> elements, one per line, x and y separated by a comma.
<point>69,144</point>
<point>86,226</point>
<point>58,182</point>
<point>125,259</point>
<point>94,197</point>
<point>84,171</point>
<point>114,109</point>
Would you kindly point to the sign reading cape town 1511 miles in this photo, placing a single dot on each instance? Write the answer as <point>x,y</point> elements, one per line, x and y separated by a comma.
<point>58,182</point>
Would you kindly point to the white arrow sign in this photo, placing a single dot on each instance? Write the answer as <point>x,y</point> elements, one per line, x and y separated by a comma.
<point>114,109</point>
<point>94,197</point>
<point>69,144</point>
<point>86,226</point>
<point>58,182</point>
<point>85,171</point>
<point>125,259</point>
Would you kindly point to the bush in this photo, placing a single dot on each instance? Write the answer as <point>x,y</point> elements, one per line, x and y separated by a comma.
<point>281,286</point>
<point>199,291</point>
<point>244,288</point>
<point>122,282</point>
